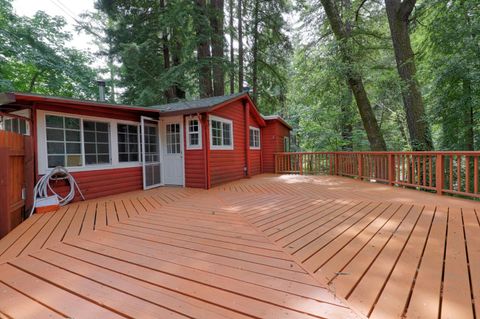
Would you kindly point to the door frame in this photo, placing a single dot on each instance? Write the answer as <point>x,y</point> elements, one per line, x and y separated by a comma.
<point>163,141</point>
<point>160,151</point>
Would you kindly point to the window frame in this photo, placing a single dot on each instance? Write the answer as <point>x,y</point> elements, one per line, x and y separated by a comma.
<point>286,144</point>
<point>127,144</point>
<point>96,143</point>
<point>200,133</point>
<point>255,129</point>
<point>42,163</point>
<point>222,120</point>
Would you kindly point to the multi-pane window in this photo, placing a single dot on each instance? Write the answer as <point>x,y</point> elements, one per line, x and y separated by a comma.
<point>286,144</point>
<point>194,137</point>
<point>97,142</point>
<point>221,133</point>
<point>173,138</point>
<point>63,141</point>
<point>128,150</point>
<point>16,125</point>
<point>254,138</point>
<point>151,144</point>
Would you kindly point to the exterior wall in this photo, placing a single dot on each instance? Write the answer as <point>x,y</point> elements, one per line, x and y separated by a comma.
<point>96,180</point>
<point>228,165</point>
<point>255,154</point>
<point>195,175</point>
<point>272,142</point>
<point>94,184</point>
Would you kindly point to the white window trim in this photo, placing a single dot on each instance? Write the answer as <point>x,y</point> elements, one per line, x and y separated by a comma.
<point>259,138</point>
<point>138,140</point>
<point>114,162</point>
<point>221,147</point>
<point>200,141</point>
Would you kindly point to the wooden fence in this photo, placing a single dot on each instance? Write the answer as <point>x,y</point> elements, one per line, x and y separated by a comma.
<point>442,172</point>
<point>16,178</point>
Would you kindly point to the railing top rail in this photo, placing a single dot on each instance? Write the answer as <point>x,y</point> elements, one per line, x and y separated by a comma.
<point>470,153</point>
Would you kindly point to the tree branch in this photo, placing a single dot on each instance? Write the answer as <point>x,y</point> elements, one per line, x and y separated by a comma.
<point>406,8</point>
<point>357,13</point>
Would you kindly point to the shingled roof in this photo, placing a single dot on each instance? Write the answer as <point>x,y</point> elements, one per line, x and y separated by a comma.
<point>201,105</point>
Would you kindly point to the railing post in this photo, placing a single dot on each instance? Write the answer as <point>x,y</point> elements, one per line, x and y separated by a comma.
<point>276,163</point>
<point>391,169</point>
<point>336,162</point>
<point>360,166</point>
<point>439,169</point>
<point>300,163</point>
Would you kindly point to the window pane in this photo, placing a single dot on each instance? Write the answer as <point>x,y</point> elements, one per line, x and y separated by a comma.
<point>102,137</point>
<point>103,159</point>
<point>74,148</point>
<point>122,128</point>
<point>123,157</point>
<point>90,159</point>
<point>54,121</point>
<point>74,160</point>
<point>89,126</point>
<point>103,148</point>
<point>23,127</point>
<point>89,137</point>
<point>55,148</point>
<point>133,157</point>
<point>122,138</point>
<point>90,148</point>
<point>122,148</point>
<point>55,135</point>
<point>56,160</point>
<point>72,123</point>
<point>73,136</point>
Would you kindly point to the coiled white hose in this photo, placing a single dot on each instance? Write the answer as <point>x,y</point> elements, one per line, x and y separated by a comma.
<point>44,190</point>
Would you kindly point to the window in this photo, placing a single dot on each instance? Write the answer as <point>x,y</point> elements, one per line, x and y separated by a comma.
<point>286,144</point>
<point>221,133</point>
<point>128,150</point>
<point>173,138</point>
<point>63,141</point>
<point>96,142</point>
<point>151,144</point>
<point>254,138</point>
<point>16,125</point>
<point>194,134</point>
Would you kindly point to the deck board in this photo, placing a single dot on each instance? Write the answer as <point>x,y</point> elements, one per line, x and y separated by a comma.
<point>265,247</point>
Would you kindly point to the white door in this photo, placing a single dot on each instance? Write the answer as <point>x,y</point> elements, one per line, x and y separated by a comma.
<point>172,132</point>
<point>151,159</point>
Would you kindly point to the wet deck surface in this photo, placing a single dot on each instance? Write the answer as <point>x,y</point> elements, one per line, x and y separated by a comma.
<point>266,247</point>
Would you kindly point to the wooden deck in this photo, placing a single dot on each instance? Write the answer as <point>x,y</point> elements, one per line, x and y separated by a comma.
<point>266,247</point>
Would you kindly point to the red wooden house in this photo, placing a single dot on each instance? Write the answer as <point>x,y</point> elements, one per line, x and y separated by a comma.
<point>112,148</point>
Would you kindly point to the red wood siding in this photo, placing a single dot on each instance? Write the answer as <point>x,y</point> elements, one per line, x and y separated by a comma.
<point>272,142</point>
<point>228,165</point>
<point>255,162</point>
<point>94,184</point>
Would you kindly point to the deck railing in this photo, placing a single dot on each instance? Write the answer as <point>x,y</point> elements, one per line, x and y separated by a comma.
<point>441,172</point>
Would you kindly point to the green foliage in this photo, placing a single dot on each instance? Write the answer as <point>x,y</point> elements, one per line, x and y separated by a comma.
<point>35,57</point>
<point>449,45</point>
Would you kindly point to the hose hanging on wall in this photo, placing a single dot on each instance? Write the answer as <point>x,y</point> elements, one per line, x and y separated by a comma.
<point>44,190</point>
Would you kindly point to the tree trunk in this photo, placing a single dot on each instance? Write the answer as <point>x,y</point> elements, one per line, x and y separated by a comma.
<point>398,14</point>
<point>255,52</point>
<point>203,50</point>
<point>232,52</point>
<point>179,93</point>
<point>216,22</point>
<point>468,120</point>
<point>240,45</point>
<point>346,123</point>
<point>355,81</point>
